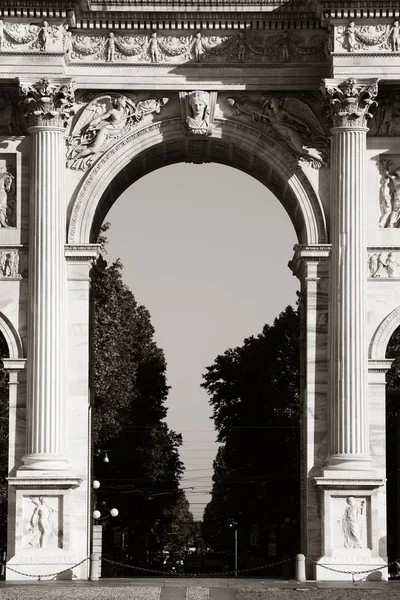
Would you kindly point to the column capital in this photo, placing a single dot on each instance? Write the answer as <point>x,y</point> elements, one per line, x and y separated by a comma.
<point>348,102</point>
<point>47,103</point>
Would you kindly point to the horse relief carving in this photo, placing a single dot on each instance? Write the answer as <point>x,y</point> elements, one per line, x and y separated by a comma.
<point>106,119</point>
<point>290,120</point>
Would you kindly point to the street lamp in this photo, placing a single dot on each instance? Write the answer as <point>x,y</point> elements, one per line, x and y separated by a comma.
<point>232,524</point>
<point>97,537</point>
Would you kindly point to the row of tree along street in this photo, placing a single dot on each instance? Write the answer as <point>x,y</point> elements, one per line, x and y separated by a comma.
<point>254,394</point>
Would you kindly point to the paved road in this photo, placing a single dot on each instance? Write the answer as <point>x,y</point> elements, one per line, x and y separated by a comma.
<point>196,589</point>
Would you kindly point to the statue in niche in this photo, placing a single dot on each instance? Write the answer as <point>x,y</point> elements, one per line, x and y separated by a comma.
<point>350,521</point>
<point>105,120</point>
<point>289,119</point>
<point>40,523</point>
<point>110,47</point>
<point>199,112</point>
<point>390,215</point>
<point>6,181</point>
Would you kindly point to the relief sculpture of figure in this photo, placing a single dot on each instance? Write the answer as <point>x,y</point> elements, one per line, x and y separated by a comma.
<point>105,124</point>
<point>40,523</point>
<point>198,118</point>
<point>43,36</point>
<point>241,46</point>
<point>153,48</point>
<point>394,178</point>
<point>196,46</point>
<point>351,36</point>
<point>14,263</point>
<point>291,120</point>
<point>110,46</point>
<point>6,180</point>
<point>1,34</point>
<point>395,31</point>
<point>350,522</point>
<point>385,201</point>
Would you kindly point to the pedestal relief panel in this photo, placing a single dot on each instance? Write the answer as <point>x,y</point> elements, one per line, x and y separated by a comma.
<point>43,522</point>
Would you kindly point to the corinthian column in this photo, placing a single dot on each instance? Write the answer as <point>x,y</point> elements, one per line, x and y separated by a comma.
<point>348,440</point>
<point>47,108</point>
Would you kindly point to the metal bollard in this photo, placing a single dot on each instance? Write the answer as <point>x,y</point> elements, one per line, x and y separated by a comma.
<point>301,568</point>
<point>94,566</point>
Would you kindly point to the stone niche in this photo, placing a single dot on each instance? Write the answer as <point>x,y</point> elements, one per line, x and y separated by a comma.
<point>8,200</point>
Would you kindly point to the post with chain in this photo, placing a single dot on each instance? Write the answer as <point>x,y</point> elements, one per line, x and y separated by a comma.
<point>300,568</point>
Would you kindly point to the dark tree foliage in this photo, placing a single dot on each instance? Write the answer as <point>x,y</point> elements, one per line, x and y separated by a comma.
<point>254,393</point>
<point>3,439</point>
<point>393,444</point>
<point>130,391</point>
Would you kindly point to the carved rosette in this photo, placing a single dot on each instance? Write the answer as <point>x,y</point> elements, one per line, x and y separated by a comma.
<point>348,104</point>
<point>47,104</point>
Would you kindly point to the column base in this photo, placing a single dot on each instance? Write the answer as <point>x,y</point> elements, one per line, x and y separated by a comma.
<point>340,465</point>
<point>44,462</point>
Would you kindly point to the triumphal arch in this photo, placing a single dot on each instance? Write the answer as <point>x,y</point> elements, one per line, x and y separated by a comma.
<point>303,95</point>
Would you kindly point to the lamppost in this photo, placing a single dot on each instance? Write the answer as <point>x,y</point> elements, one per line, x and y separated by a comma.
<point>97,537</point>
<point>232,524</point>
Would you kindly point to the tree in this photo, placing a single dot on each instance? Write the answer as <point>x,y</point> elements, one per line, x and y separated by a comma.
<point>254,393</point>
<point>3,438</point>
<point>130,391</point>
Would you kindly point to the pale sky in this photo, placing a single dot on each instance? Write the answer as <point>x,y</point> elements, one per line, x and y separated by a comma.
<point>205,248</point>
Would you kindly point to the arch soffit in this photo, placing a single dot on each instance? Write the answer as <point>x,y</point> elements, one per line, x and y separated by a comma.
<point>232,143</point>
<point>12,337</point>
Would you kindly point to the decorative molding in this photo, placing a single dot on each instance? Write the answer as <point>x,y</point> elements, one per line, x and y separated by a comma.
<point>44,482</point>
<point>14,364</point>
<point>352,483</point>
<point>252,46</point>
<point>382,335</point>
<point>42,37</point>
<point>82,252</point>
<point>381,365</point>
<point>48,103</point>
<point>348,103</point>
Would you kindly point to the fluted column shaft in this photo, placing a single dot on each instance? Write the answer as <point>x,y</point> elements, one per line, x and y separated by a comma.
<point>348,407</point>
<point>45,444</point>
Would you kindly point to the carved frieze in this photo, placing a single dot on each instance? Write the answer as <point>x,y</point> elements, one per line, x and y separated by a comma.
<point>47,103</point>
<point>25,37</point>
<point>106,119</point>
<point>386,121</point>
<point>383,264</point>
<point>10,263</point>
<point>348,103</point>
<point>250,47</point>
<point>355,37</point>
<point>289,119</point>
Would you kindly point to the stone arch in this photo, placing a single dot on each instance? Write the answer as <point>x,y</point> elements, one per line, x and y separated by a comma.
<point>382,335</point>
<point>12,337</point>
<point>164,142</point>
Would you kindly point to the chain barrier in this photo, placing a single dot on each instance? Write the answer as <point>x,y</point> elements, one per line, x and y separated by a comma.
<point>352,573</point>
<point>39,577</point>
<point>176,574</point>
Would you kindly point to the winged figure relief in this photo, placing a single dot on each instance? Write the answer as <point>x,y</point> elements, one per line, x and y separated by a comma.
<point>289,119</point>
<point>106,119</point>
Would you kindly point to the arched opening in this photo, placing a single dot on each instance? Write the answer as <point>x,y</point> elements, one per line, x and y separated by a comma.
<point>393,445</point>
<point>255,240</point>
<point>4,437</point>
